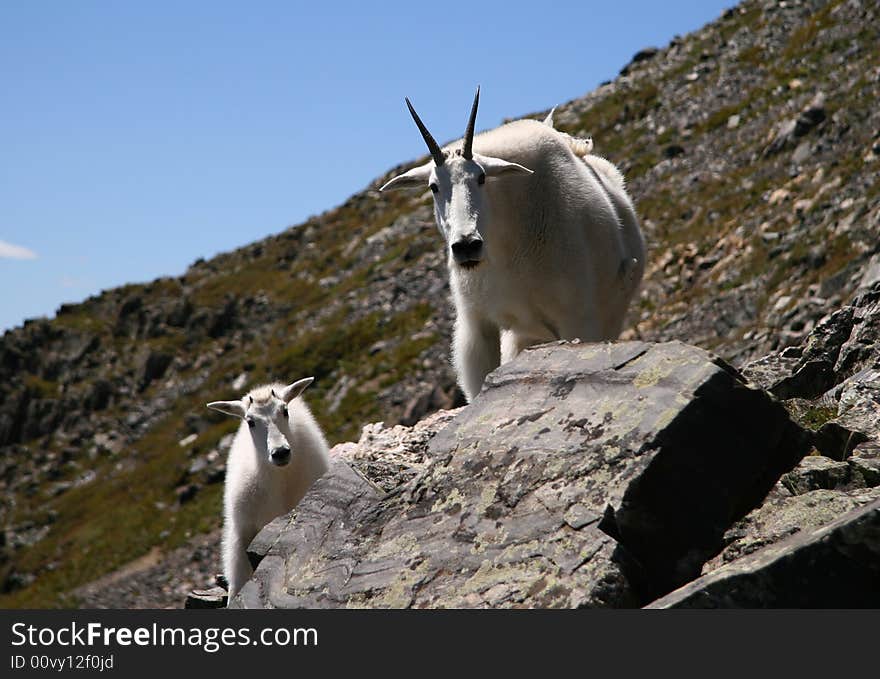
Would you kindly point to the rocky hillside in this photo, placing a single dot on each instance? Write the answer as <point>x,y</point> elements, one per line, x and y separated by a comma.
<point>752,150</point>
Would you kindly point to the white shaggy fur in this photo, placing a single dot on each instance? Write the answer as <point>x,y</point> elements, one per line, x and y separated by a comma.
<point>580,147</point>
<point>560,251</point>
<point>272,464</point>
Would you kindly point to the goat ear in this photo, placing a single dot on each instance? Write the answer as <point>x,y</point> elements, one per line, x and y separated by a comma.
<point>292,391</point>
<point>234,408</point>
<point>495,166</point>
<point>415,177</point>
<point>548,121</point>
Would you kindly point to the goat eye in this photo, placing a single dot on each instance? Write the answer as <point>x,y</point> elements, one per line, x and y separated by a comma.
<point>250,422</point>
<point>284,411</point>
<point>434,187</point>
<point>481,179</point>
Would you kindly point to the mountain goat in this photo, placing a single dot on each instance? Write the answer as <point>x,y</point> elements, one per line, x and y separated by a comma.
<point>277,454</point>
<point>544,242</point>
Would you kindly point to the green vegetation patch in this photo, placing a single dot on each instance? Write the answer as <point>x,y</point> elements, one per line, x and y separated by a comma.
<point>810,415</point>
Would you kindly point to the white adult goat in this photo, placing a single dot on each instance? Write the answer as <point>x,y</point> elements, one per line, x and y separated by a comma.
<point>278,452</point>
<point>544,242</point>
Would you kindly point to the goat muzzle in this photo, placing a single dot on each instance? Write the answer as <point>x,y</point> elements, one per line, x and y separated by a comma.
<point>280,456</point>
<point>468,252</point>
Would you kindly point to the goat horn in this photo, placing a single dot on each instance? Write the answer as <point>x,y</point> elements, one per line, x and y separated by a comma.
<point>433,147</point>
<point>468,151</point>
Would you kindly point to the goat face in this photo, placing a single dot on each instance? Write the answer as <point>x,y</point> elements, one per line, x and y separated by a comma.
<point>457,181</point>
<point>459,208</point>
<point>268,419</point>
<point>270,430</point>
<point>460,205</point>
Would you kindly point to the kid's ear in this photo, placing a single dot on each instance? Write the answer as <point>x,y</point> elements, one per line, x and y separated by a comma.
<point>291,391</point>
<point>234,408</point>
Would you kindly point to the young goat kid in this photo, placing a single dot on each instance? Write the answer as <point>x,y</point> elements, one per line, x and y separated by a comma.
<point>543,240</point>
<point>278,452</point>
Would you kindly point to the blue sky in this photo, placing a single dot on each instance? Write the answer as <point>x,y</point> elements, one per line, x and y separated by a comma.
<point>137,137</point>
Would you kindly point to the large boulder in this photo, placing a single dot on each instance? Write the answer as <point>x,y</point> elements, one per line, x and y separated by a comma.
<point>842,353</point>
<point>782,516</point>
<point>813,542</point>
<point>582,475</point>
<point>836,565</point>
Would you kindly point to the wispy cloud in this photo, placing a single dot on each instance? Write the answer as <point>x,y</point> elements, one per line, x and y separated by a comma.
<point>11,251</point>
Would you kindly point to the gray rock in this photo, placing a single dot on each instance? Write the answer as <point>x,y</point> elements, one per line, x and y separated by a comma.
<point>153,366</point>
<point>865,471</point>
<point>791,130</point>
<point>767,371</point>
<point>839,347</point>
<point>644,54</point>
<point>801,153</point>
<point>186,492</point>
<point>214,597</point>
<point>578,477</point>
<point>99,395</point>
<point>783,515</point>
<point>837,441</point>
<point>225,319</point>
<point>430,400</point>
<point>296,541</point>
<point>811,116</point>
<point>815,472</point>
<point>836,566</point>
<point>871,272</point>
<point>673,150</point>
<point>814,373</point>
<point>391,456</point>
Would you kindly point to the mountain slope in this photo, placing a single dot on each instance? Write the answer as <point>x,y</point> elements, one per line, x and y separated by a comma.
<point>751,147</point>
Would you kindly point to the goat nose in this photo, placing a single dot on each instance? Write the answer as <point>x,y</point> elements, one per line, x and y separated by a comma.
<point>280,455</point>
<point>467,249</point>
